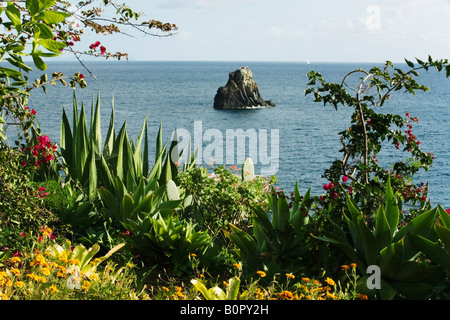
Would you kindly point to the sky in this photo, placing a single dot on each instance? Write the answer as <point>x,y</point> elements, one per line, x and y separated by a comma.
<point>291,30</point>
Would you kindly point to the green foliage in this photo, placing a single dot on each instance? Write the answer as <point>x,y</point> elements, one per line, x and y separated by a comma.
<point>387,245</point>
<point>216,293</point>
<point>171,237</point>
<point>371,130</point>
<point>278,241</point>
<point>223,197</point>
<point>21,207</point>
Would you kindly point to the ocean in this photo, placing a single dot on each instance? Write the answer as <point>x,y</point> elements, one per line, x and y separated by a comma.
<point>297,140</point>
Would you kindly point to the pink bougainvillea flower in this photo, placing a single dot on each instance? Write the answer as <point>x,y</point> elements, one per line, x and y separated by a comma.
<point>325,187</point>
<point>33,111</point>
<point>448,210</point>
<point>102,50</point>
<point>41,188</point>
<point>344,179</point>
<point>24,164</point>
<point>22,234</point>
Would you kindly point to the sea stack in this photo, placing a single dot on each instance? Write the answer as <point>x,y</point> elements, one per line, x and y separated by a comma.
<point>240,92</point>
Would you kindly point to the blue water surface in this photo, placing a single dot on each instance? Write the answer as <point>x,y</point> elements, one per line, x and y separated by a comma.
<point>181,94</point>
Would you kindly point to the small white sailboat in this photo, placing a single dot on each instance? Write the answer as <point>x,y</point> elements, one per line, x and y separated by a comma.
<point>308,61</point>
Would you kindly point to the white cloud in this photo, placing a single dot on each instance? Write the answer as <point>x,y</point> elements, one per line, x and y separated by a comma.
<point>275,31</point>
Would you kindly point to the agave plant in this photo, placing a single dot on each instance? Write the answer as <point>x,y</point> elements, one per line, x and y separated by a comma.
<point>279,237</point>
<point>216,293</point>
<point>388,247</point>
<point>438,253</point>
<point>87,163</point>
<point>81,255</point>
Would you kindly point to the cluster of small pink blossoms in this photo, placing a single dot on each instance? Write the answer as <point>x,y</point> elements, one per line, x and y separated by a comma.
<point>42,152</point>
<point>95,45</point>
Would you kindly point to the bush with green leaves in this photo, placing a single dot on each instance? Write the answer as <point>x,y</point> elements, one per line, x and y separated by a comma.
<point>371,130</point>
<point>21,201</point>
<point>386,244</point>
<point>224,197</point>
<point>278,240</point>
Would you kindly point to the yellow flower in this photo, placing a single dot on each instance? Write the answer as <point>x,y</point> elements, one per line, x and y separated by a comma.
<point>178,289</point>
<point>8,283</point>
<point>202,276</point>
<point>345,267</point>
<point>331,295</point>
<point>75,261</point>
<point>192,255</point>
<point>237,265</point>
<point>53,289</point>
<point>353,265</point>
<point>86,285</point>
<point>46,271</point>
<point>262,274</point>
<point>33,277</point>
<point>19,284</point>
<point>165,288</point>
<point>305,279</point>
<point>225,283</point>
<point>15,271</point>
<point>3,296</point>
<point>290,276</point>
<point>130,265</point>
<point>15,259</point>
<point>259,294</point>
<point>285,295</point>
<point>330,281</point>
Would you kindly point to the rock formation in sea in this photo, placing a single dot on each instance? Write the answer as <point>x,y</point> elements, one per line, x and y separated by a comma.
<point>240,92</point>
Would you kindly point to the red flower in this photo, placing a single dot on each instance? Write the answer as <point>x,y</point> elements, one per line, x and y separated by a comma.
<point>33,112</point>
<point>448,210</point>
<point>81,76</point>
<point>233,167</point>
<point>325,187</point>
<point>102,50</point>
<point>344,179</point>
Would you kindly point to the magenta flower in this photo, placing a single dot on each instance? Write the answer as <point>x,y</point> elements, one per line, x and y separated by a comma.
<point>344,179</point>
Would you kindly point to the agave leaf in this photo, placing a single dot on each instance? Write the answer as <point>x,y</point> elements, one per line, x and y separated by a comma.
<point>198,285</point>
<point>433,251</point>
<point>444,235</point>
<point>382,230</point>
<point>66,141</point>
<point>233,288</point>
<point>110,136</point>
<point>445,217</point>
<point>95,129</point>
<point>391,208</point>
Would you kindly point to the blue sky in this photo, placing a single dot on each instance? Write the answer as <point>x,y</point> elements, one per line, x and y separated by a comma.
<point>292,30</point>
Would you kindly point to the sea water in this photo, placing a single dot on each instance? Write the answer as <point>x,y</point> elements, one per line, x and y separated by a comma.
<point>179,95</point>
